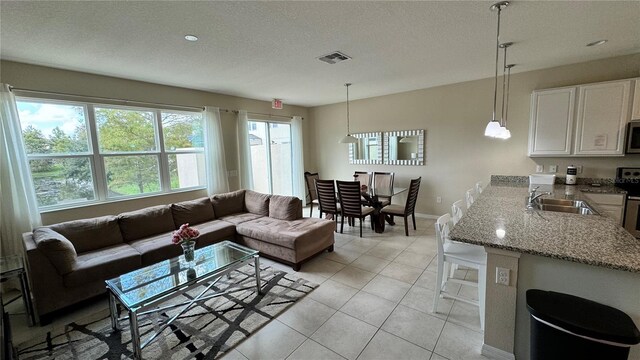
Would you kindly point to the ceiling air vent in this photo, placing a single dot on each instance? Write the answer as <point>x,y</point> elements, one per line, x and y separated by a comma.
<point>334,57</point>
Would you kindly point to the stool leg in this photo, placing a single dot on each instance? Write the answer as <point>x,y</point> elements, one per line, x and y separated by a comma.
<point>482,289</point>
<point>438,289</point>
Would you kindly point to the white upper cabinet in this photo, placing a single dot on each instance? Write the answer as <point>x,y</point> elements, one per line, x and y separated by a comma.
<point>583,120</point>
<point>551,125</point>
<point>635,115</point>
<point>603,113</point>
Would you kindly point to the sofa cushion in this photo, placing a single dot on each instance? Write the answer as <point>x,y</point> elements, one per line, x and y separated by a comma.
<point>228,203</point>
<point>156,248</point>
<point>213,232</point>
<point>240,218</point>
<point>91,234</point>
<point>286,233</point>
<point>285,207</point>
<point>103,264</point>
<point>257,203</point>
<point>192,212</point>
<point>146,222</point>
<point>57,248</point>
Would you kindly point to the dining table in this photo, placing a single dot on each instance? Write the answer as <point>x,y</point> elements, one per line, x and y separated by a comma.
<point>373,198</point>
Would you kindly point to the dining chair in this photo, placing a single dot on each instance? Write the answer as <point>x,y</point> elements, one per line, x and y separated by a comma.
<point>470,196</point>
<point>383,183</point>
<point>363,177</point>
<point>310,179</point>
<point>327,202</point>
<point>471,256</point>
<point>351,204</point>
<point>409,208</point>
<point>457,210</point>
<point>479,188</point>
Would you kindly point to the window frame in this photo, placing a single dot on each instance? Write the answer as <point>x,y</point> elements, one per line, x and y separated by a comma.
<point>96,158</point>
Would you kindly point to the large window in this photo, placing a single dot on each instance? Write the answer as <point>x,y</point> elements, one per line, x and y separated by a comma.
<point>271,157</point>
<point>81,152</point>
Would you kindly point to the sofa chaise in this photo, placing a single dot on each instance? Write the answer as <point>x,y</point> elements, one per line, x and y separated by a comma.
<point>69,262</point>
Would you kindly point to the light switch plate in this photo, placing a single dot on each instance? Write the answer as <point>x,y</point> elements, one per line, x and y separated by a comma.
<point>553,169</point>
<point>539,168</point>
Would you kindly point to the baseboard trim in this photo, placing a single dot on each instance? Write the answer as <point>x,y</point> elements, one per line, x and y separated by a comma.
<point>426,216</point>
<point>495,353</point>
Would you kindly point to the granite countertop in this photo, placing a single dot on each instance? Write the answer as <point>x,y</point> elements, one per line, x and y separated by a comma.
<point>498,219</point>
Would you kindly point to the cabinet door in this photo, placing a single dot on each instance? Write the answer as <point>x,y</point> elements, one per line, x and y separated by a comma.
<point>603,113</point>
<point>551,122</point>
<point>636,102</point>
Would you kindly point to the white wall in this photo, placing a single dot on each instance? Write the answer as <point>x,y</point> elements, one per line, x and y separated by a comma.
<point>454,117</point>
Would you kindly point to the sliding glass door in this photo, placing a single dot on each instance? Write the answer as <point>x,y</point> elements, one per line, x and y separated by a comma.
<point>271,155</point>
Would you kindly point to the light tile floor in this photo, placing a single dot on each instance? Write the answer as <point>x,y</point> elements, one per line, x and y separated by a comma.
<point>374,302</point>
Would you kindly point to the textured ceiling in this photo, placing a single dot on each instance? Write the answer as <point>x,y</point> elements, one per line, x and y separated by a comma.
<point>265,50</point>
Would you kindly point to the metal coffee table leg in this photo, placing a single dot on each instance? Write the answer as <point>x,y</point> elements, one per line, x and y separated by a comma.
<point>26,297</point>
<point>113,311</point>
<point>135,335</point>
<point>257,265</point>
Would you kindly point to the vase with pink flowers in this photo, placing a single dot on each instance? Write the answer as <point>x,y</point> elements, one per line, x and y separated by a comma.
<point>185,237</point>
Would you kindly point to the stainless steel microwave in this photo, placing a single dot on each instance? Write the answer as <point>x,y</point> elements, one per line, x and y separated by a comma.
<point>633,138</point>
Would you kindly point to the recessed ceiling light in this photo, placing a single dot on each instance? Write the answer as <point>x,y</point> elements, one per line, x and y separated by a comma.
<point>191,38</point>
<point>596,43</point>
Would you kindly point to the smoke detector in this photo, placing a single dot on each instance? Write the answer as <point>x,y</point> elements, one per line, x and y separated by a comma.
<point>334,58</point>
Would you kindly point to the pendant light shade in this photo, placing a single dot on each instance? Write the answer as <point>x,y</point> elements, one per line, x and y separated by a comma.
<point>493,127</point>
<point>348,139</point>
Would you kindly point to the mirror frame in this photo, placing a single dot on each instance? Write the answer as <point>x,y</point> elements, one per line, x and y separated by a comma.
<point>353,160</point>
<point>419,160</point>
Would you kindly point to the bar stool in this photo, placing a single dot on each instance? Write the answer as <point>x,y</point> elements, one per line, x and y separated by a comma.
<point>457,210</point>
<point>479,187</point>
<point>471,256</point>
<point>470,197</point>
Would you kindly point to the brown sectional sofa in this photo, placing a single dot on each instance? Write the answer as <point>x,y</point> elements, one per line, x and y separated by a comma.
<point>69,262</point>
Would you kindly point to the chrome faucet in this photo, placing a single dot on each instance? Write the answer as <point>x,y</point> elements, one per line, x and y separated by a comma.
<point>531,200</point>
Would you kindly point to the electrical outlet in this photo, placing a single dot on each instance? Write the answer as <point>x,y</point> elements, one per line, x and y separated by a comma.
<point>539,168</point>
<point>502,276</point>
<point>553,169</point>
<point>439,200</point>
<point>579,169</point>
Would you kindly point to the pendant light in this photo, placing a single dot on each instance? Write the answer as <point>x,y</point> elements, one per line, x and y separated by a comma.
<point>493,127</point>
<point>348,139</point>
<point>504,133</point>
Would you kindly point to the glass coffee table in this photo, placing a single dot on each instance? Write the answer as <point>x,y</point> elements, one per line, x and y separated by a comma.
<point>141,291</point>
<point>13,266</point>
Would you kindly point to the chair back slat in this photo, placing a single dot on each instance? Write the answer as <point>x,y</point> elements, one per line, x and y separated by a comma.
<point>470,196</point>
<point>479,187</point>
<point>383,183</point>
<point>442,232</point>
<point>326,190</point>
<point>412,197</point>
<point>310,179</point>
<point>457,210</point>
<point>350,198</point>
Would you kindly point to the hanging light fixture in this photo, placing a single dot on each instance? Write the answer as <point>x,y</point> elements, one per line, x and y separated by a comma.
<point>493,127</point>
<point>348,139</point>
<point>507,133</point>
<point>503,132</point>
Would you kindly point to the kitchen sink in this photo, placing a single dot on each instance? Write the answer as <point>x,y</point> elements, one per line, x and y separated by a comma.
<point>565,206</point>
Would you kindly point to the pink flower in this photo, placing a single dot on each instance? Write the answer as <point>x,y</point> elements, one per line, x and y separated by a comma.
<point>184,233</point>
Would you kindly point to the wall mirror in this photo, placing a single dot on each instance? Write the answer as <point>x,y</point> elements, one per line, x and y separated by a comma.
<point>404,147</point>
<point>368,149</point>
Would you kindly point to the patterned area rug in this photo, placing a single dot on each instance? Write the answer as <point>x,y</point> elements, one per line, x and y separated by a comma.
<point>206,331</point>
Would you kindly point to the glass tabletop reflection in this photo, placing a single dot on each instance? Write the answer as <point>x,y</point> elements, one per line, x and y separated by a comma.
<point>140,286</point>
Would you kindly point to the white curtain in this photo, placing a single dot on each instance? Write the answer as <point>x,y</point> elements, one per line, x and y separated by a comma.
<point>244,151</point>
<point>297,162</point>
<point>216,163</point>
<point>18,205</point>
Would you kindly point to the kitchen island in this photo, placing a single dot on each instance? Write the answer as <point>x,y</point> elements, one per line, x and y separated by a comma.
<point>590,256</point>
